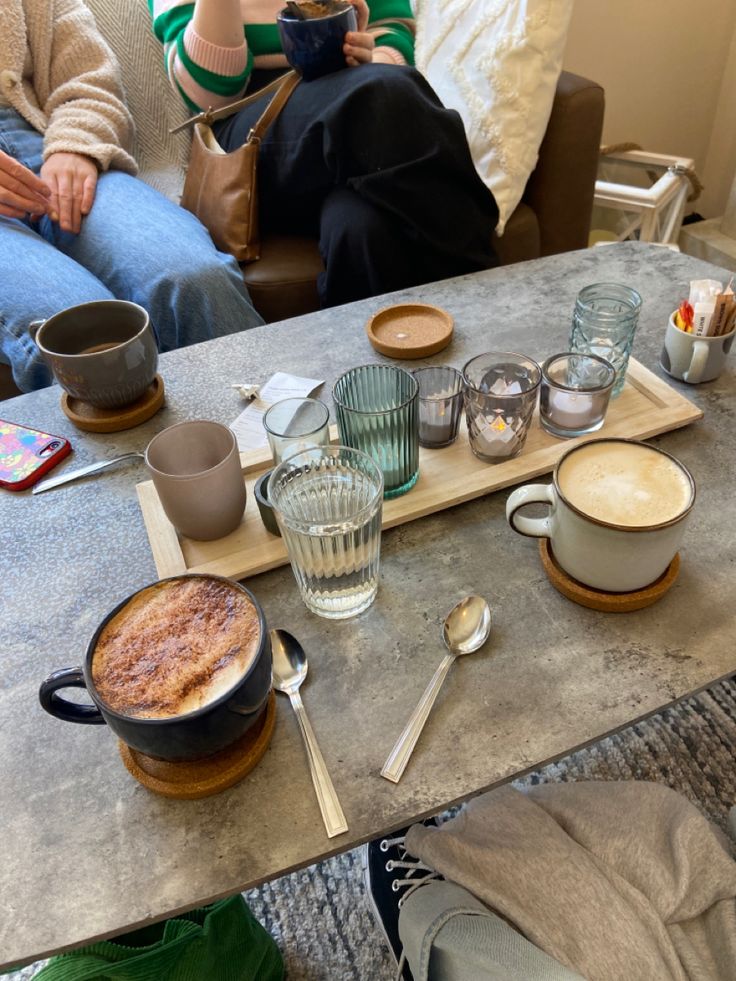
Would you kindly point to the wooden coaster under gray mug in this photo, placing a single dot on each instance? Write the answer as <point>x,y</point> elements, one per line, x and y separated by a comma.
<point>93,420</point>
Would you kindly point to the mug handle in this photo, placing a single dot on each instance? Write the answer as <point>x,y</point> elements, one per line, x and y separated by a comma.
<point>63,709</point>
<point>697,362</point>
<point>34,327</point>
<point>530,494</point>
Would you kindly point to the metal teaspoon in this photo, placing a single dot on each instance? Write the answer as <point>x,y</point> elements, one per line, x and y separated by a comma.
<point>289,671</point>
<point>67,478</point>
<point>465,630</point>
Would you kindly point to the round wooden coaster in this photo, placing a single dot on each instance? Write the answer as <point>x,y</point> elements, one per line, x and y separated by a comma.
<point>410,330</point>
<point>94,420</point>
<point>597,599</point>
<point>202,778</point>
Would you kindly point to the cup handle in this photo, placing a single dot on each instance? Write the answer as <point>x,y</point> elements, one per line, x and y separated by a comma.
<point>697,363</point>
<point>34,327</point>
<point>530,494</point>
<point>60,707</point>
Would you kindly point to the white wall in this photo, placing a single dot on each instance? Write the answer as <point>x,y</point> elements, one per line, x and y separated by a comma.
<point>669,71</point>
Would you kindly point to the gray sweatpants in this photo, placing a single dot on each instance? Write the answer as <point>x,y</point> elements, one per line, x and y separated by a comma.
<point>449,935</point>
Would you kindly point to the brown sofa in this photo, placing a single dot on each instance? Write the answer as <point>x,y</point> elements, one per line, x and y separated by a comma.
<point>553,216</point>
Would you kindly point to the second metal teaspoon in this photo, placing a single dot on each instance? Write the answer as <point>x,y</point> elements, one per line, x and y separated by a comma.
<point>289,671</point>
<point>465,630</point>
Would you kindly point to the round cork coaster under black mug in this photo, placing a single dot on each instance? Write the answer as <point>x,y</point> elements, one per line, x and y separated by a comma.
<point>192,779</point>
<point>598,599</point>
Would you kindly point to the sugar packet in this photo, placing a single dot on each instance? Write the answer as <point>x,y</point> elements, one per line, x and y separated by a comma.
<point>703,295</point>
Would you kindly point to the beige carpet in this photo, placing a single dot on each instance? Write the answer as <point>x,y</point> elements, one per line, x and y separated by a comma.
<point>319,917</point>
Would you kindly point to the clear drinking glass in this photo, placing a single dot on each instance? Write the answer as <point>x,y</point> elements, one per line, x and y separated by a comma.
<point>440,405</point>
<point>377,412</point>
<point>574,394</point>
<point>604,322</point>
<point>328,504</point>
<point>500,397</point>
<point>296,424</point>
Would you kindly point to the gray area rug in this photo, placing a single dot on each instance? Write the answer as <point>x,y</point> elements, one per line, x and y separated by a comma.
<point>321,921</point>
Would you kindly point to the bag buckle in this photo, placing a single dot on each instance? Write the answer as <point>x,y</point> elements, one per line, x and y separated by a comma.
<point>207,117</point>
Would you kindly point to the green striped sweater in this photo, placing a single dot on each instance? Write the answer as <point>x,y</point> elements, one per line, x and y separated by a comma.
<point>205,74</point>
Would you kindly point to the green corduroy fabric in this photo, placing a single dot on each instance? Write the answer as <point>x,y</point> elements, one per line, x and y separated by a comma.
<point>221,942</point>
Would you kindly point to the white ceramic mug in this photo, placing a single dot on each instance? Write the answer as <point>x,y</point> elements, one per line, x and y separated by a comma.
<point>691,358</point>
<point>618,511</point>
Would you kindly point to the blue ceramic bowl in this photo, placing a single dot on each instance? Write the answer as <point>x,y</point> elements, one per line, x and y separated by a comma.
<point>314,47</point>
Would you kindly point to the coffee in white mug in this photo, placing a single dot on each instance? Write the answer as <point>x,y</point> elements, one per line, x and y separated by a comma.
<point>618,510</point>
<point>628,484</point>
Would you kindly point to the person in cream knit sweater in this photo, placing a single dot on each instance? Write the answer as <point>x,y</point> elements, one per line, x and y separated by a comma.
<point>366,159</point>
<point>75,223</point>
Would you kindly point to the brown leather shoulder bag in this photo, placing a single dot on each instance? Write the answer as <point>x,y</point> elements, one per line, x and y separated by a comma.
<point>221,188</point>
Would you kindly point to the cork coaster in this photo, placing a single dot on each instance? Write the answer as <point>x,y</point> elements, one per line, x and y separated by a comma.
<point>202,778</point>
<point>597,599</point>
<point>94,420</point>
<point>410,330</point>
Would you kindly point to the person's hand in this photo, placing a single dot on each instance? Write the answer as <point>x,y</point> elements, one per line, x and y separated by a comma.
<point>21,192</point>
<point>72,180</point>
<point>359,44</point>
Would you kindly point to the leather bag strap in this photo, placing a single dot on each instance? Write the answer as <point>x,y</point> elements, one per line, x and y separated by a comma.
<point>281,87</point>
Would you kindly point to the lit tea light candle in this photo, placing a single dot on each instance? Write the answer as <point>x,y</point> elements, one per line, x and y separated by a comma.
<point>497,438</point>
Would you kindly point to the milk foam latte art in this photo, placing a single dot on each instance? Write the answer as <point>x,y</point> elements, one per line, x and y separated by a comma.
<point>627,484</point>
<point>618,512</point>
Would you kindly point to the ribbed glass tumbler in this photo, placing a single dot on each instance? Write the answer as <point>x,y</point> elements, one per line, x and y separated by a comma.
<point>328,503</point>
<point>604,323</point>
<point>377,412</point>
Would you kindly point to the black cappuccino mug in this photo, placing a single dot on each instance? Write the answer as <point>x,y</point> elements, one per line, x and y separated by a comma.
<point>190,734</point>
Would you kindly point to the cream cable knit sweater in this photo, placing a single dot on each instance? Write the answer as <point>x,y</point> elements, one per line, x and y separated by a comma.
<point>74,97</point>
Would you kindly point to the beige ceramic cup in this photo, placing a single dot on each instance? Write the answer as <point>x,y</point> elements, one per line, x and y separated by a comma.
<point>195,467</point>
<point>103,353</point>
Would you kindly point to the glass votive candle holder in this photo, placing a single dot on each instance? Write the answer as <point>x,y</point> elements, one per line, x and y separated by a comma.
<point>500,398</point>
<point>293,425</point>
<point>377,412</point>
<point>574,394</point>
<point>440,405</point>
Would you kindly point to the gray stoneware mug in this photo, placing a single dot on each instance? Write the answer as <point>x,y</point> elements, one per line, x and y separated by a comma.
<point>103,353</point>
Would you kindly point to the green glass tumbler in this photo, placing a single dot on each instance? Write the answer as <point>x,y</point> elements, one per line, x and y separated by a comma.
<point>377,412</point>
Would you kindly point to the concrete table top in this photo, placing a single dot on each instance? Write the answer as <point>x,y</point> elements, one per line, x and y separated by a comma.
<point>88,853</point>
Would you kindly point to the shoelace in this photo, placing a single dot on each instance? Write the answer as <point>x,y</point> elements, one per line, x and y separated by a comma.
<point>411,881</point>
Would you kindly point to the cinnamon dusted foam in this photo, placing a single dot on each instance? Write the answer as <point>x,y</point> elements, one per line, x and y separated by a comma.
<point>176,646</point>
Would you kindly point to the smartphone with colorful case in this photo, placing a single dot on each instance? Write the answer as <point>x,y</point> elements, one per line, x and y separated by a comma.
<point>27,454</point>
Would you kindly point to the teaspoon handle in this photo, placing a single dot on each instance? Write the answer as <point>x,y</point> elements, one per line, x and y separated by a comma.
<point>404,747</point>
<point>332,815</point>
<point>67,478</point>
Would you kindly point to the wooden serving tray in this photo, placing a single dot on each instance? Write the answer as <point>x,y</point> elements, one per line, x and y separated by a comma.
<point>647,406</point>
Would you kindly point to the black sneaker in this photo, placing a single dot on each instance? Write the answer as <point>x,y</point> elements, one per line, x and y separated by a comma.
<point>391,874</point>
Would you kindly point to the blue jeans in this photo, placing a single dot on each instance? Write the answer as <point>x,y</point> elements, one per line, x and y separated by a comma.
<point>135,245</point>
